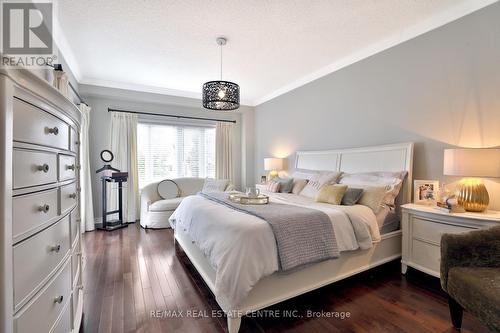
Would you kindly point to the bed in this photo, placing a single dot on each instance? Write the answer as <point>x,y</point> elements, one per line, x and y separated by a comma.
<point>198,237</point>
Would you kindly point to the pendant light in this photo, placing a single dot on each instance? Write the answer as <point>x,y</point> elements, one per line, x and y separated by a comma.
<point>221,95</point>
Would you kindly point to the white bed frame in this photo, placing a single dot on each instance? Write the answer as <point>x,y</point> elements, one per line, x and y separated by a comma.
<point>280,287</point>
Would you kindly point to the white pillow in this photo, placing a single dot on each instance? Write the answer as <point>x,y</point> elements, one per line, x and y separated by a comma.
<point>317,181</point>
<point>372,178</point>
<point>215,185</point>
<point>168,189</point>
<point>390,181</point>
<point>304,174</point>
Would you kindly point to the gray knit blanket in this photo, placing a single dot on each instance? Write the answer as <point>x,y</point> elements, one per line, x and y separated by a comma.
<point>303,235</point>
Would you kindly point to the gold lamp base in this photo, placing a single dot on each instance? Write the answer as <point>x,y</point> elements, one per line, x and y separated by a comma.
<point>472,195</point>
<point>273,175</point>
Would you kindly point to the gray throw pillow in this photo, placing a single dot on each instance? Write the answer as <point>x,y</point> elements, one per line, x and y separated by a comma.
<point>352,196</point>
<point>286,184</point>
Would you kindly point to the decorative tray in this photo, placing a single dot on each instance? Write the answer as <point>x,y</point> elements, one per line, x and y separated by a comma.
<point>243,199</point>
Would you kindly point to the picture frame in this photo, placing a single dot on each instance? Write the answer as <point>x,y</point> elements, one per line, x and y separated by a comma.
<point>425,192</point>
<point>263,179</point>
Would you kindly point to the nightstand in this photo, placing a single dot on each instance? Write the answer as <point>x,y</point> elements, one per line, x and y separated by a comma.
<point>423,227</point>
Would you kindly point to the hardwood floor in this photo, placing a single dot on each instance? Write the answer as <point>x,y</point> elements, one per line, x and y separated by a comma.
<point>133,272</point>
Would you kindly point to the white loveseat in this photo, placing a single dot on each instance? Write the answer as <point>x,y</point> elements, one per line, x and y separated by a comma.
<point>155,210</point>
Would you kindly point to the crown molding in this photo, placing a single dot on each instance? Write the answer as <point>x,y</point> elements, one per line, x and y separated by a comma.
<point>140,88</point>
<point>65,49</point>
<point>418,29</point>
<point>147,89</point>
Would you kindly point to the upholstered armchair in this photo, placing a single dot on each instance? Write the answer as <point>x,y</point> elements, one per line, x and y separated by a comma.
<point>470,274</point>
<point>155,210</point>
<point>157,206</point>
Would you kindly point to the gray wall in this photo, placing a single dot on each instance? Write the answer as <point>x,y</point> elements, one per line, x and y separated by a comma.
<point>438,90</point>
<point>100,98</point>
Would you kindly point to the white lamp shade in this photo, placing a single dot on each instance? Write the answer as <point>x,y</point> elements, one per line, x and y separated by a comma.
<point>472,162</point>
<point>273,164</point>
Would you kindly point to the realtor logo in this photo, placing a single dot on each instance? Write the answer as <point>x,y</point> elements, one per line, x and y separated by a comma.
<point>27,28</point>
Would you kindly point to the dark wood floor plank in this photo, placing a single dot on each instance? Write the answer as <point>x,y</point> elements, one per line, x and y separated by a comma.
<point>129,316</point>
<point>133,277</point>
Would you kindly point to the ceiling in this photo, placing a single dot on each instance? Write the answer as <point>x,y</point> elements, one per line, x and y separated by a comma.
<point>168,46</point>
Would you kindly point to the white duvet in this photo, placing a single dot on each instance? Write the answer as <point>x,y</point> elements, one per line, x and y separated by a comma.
<point>241,248</point>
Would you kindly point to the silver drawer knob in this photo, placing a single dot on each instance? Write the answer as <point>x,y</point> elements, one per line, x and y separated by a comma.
<point>44,167</point>
<point>55,248</point>
<point>70,167</point>
<point>44,208</point>
<point>72,195</point>
<point>53,130</point>
<point>77,143</point>
<point>59,299</point>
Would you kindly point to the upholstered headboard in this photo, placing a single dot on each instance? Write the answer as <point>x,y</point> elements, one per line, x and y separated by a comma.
<point>394,157</point>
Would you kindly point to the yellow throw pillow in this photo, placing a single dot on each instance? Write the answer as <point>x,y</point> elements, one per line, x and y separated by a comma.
<point>331,194</point>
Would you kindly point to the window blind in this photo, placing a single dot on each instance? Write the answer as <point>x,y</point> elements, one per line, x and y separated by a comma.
<point>172,151</point>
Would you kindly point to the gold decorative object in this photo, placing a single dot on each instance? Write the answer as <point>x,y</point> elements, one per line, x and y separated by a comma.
<point>472,195</point>
<point>472,162</point>
<point>244,199</point>
<point>273,165</point>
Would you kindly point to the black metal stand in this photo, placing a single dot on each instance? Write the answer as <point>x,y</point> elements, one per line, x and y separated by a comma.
<point>112,224</point>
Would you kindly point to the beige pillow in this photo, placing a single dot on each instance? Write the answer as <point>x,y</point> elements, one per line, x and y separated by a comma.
<point>298,185</point>
<point>392,181</point>
<point>331,194</point>
<point>373,196</point>
<point>317,181</point>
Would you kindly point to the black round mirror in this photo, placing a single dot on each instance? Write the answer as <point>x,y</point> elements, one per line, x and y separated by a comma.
<point>107,156</point>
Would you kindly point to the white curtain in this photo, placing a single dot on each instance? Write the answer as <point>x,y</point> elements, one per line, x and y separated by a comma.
<point>86,204</point>
<point>124,147</point>
<point>224,151</point>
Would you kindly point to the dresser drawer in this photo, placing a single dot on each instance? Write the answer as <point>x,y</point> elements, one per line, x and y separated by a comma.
<point>32,167</point>
<point>426,255</point>
<point>30,212</point>
<point>41,314</point>
<point>63,325</point>
<point>36,257</point>
<point>74,143</point>
<point>67,167</point>
<point>74,224</point>
<point>33,125</point>
<point>76,299</point>
<point>432,231</point>
<point>68,197</point>
<point>75,263</point>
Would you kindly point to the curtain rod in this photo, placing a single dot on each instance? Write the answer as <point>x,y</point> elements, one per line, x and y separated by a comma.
<point>172,116</point>
<point>76,93</point>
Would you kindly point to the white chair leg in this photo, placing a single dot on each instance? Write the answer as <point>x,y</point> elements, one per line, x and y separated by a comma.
<point>233,324</point>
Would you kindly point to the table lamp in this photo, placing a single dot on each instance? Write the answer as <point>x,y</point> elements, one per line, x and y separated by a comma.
<point>472,162</point>
<point>273,165</point>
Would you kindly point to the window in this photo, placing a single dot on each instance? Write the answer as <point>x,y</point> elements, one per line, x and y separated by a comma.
<point>171,151</point>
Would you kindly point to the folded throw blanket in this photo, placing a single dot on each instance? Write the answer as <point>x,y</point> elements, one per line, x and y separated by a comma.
<point>303,235</point>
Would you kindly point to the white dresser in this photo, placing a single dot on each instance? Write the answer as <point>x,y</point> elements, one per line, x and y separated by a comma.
<point>423,227</point>
<point>40,245</point>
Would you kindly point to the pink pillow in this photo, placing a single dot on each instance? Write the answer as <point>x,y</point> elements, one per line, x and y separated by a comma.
<point>273,186</point>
